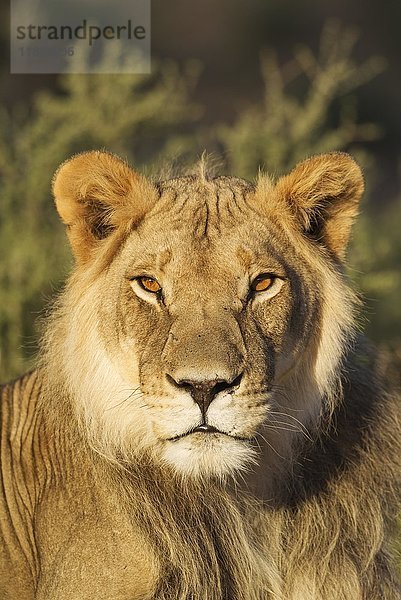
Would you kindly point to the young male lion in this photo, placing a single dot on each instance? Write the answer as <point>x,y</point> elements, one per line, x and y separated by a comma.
<point>206,423</point>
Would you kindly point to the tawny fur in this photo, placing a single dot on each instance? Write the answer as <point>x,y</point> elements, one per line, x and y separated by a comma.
<point>98,502</point>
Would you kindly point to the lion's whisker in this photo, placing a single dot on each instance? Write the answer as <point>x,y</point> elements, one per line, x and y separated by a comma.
<point>258,434</point>
<point>136,393</point>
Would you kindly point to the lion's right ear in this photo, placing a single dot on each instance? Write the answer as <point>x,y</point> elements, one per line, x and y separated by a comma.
<point>97,193</point>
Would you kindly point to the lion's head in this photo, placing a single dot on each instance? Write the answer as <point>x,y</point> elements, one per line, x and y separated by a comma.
<point>206,318</point>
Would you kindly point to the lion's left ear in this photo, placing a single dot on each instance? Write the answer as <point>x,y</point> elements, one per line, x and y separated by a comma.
<point>323,193</point>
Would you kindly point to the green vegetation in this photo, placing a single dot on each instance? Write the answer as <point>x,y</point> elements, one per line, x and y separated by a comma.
<point>308,106</point>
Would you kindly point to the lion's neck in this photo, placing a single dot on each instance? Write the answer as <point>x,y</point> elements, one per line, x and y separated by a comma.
<point>196,526</point>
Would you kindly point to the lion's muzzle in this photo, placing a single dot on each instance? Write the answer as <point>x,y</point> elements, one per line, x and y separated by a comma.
<point>204,391</point>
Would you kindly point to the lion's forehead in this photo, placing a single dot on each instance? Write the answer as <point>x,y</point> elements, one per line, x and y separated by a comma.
<point>205,234</point>
<point>206,206</point>
<point>195,216</point>
<point>187,243</point>
<point>197,183</point>
<point>239,250</point>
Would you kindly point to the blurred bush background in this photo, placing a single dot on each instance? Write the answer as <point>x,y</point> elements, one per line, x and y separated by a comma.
<point>256,84</point>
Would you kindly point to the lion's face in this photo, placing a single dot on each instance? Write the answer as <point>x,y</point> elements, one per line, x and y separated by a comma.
<point>206,348</point>
<point>199,327</point>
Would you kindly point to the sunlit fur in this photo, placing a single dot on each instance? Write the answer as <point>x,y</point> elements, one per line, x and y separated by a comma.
<point>112,409</point>
<point>299,505</point>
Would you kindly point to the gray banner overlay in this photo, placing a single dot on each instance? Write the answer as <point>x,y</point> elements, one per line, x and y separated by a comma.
<point>71,36</point>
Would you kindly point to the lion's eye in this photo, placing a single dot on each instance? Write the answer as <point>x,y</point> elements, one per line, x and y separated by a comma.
<point>266,285</point>
<point>149,284</point>
<point>262,282</point>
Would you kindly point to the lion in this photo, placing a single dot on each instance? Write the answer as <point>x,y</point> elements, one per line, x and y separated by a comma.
<point>206,421</point>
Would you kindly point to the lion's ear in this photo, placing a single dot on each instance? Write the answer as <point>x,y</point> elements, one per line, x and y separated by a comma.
<point>323,193</point>
<point>97,193</point>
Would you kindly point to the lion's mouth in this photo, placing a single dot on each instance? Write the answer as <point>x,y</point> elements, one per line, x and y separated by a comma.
<point>207,429</point>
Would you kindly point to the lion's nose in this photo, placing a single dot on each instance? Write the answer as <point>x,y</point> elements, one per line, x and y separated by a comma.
<point>204,392</point>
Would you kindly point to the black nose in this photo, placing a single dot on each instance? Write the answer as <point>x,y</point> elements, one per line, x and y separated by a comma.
<point>204,392</point>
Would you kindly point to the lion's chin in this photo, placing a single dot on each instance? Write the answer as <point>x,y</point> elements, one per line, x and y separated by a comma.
<point>201,455</point>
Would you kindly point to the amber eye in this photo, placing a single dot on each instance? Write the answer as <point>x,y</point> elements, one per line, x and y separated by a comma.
<point>149,284</point>
<point>262,282</point>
